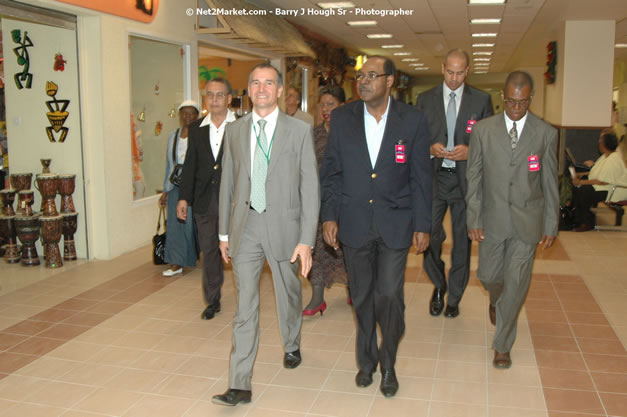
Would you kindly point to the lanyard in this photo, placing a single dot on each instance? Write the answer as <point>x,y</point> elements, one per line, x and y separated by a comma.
<point>266,155</point>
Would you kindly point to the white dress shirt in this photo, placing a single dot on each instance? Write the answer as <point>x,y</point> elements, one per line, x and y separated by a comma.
<point>374,132</point>
<point>509,123</point>
<point>216,133</point>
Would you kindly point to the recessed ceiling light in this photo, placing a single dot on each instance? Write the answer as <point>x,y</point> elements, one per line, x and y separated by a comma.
<point>421,68</point>
<point>362,23</point>
<point>621,45</point>
<point>482,45</point>
<point>483,53</point>
<point>486,1</point>
<point>402,53</point>
<point>409,59</point>
<point>481,59</point>
<point>378,36</point>
<point>337,5</point>
<point>484,35</point>
<point>391,46</point>
<point>485,21</point>
<point>417,64</point>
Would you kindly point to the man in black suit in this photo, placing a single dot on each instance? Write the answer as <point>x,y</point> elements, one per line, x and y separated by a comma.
<point>376,199</point>
<point>452,109</point>
<point>201,186</point>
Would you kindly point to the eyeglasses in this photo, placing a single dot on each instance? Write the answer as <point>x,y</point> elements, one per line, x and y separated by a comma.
<point>371,76</point>
<point>521,103</point>
<point>219,95</point>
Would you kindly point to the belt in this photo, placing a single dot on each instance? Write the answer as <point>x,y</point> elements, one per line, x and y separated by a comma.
<point>447,169</point>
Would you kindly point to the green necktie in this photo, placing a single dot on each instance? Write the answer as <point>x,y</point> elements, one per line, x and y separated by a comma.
<point>260,170</point>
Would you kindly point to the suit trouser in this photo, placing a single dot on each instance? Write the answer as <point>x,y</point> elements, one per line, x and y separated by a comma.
<point>449,195</point>
<point>212,268</point>
<point>254,249</point>
<point>505,272</point>
<point>376,276</point>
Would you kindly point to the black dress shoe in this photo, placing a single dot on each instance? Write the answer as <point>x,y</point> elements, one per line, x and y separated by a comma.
<point>389,383</point>
<point>292,359</point>
<point>437,301</point>
<point>451,311</point>
<point>210,311</point>
<point>232,397</point>
<point>363,379</point>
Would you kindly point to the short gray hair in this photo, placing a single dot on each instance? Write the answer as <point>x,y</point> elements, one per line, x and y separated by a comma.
<point>266,65</point>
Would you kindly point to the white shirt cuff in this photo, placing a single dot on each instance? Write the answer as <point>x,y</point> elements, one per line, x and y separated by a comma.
<point>223,238</point>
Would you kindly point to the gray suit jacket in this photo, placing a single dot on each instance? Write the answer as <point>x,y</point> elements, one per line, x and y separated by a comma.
<point>292,188</point>
<point>503,190</point>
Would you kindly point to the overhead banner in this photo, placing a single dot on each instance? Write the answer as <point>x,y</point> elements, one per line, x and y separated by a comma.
<point>140,10</point>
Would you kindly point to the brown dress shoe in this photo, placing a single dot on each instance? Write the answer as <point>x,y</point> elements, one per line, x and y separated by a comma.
<point>492,315</point>
<point>502,360</point>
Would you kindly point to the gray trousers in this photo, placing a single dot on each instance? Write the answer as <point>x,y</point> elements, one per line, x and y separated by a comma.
<point>449,195</point>
<point>254,249</point>
<point>505,272</point>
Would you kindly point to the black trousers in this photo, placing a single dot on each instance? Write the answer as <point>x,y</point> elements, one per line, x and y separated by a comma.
<point>212,268</point>
<point>584,198</point>
<point>376,275</point>
<point>449,195</point>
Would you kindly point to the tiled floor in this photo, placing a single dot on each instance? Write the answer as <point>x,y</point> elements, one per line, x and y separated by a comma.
<point>116,339</point>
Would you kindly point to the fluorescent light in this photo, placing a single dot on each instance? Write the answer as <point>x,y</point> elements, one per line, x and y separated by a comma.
<point>621,45</point>
<point>482,45</point>
<point>417,64</point>
<point>336,5</point>
<point>402,53</point>
<point>409,59</point>
<point>480,72</point>
<point>421,68</point>
<point>362,23</point>
<point>391,46</point>
<point>481,59</point>
<point>480,66</point>
<point>378,36</point>
<point>486,2</point>
<point>485,21</point>
<point>483,53</point>
<point>484,35</point>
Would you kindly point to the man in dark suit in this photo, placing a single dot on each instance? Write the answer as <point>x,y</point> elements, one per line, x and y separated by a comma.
<point>513,203</point>
<point>201,185</point>
<point>452,108</point>
<point>376,199</point>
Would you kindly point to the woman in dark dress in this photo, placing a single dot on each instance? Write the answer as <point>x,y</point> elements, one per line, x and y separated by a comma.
<point>328,264</point>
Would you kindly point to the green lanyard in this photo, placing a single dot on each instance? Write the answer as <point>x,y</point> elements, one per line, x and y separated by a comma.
<point>267,155</point>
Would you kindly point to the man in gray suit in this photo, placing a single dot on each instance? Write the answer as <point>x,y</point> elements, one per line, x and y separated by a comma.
<point>512,204</point>
<point>268,210</point>
<point>452,109</point>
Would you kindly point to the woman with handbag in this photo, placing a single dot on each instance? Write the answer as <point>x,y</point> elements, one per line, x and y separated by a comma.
<point>180,248</point>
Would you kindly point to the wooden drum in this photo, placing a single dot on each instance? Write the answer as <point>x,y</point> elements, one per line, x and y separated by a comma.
<point>25,200</point>
<point>7,197</point>
<point>65,186</point>
<point>51,231</point>
<point>7,231</point>
<point>27,229</point>
<point>70,224</point>
<point>47,186</point>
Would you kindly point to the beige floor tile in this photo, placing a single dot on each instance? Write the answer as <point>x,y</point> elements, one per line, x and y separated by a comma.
<point>461,371</point>
<point>116,356</point>
<point>159,361</point>
<point>260,412</point>
<point>138,380</point>
<point>463,337</point>
<point>410,387</point>
<point>102,336</point>
<point>341,404</point>
<point>108,401</point>
<point>386,407</point>
<point>301,377</point>
<point>516,396</point>
<point>463,353</point>
<point>423,368</point>
<point>271,354</point>
<point>31,410</point>
<point>184,386</point>
<point>158,406</point>
<point>207,408</point>
<point>212,348</point>
<point>48,368</point>
<point>264,373</point>
<point>287,399</point>
<point>75,350</point>
<point>516,412</point>
<point>326,342</point>
<point>418,349</point>
<point>459,392</point>
<point>18,387</point>
<point>179,344</point>
<point>516,375</point>
<point>204,367</point>
<point>344,381</point>
<point>318,358</point>
<point>59,394</point>
<point>440,409</point>
<point>138,340</point>
<point>88,373</point>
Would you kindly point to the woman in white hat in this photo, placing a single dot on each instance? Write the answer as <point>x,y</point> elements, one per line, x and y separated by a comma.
<point>180,246</point>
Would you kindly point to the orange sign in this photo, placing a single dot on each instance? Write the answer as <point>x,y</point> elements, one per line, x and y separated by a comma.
<point>140,10</point>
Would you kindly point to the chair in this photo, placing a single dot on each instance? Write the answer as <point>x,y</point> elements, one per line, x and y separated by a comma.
<point>618,207</point>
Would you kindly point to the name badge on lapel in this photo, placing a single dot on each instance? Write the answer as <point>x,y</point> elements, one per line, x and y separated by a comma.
<point>533,162</point>
<point>469,125</point>
<point>399,152</point>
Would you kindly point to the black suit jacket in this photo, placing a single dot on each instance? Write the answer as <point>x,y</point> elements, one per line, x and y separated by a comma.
<point>200,186</point>
<point>395,196</point>
<point>475,105</point>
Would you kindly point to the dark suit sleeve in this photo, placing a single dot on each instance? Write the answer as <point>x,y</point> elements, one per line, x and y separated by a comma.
<point>420,178</point>
<point>331,175</point>
<point>487,109</point>
<point>186,191</point>
<point>549,185</point>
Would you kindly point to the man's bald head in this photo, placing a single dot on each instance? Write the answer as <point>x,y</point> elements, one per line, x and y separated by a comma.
<point>518,80</point>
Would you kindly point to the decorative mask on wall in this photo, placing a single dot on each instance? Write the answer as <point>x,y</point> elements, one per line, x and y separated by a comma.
<point>59,62</point>
<point>57,114</point>
<point>23,58</point>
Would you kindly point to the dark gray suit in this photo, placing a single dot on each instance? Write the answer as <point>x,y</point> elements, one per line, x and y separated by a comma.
<point>449,188</point>
<point>515,205</point>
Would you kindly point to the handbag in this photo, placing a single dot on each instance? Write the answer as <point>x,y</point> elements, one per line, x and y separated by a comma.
<point>158,240</point>
<point>177,173</point>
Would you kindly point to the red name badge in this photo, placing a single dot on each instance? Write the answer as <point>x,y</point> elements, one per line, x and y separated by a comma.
<point>469,125</point>
<point>533,162</point>
<point>399,151</point>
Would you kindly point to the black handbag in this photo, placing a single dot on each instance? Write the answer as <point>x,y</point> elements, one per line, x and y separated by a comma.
<point>158,241</point>
<point>177,173</point>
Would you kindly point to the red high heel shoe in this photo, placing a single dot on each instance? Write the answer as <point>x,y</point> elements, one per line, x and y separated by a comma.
<point>312,312</point>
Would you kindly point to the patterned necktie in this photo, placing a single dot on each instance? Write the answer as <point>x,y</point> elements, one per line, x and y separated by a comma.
<point>260,170</point>
<point>513,135</point>
<point>451,118</point>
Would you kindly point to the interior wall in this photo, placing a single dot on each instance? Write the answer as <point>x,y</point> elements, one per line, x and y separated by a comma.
<point>553,93</point>
<point>237,71</point>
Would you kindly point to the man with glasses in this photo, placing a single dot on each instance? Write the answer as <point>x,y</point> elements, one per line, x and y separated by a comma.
<point>200,187</point>
<point>376,200</point>
<point>512,204</point>
<point>452,109</point>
